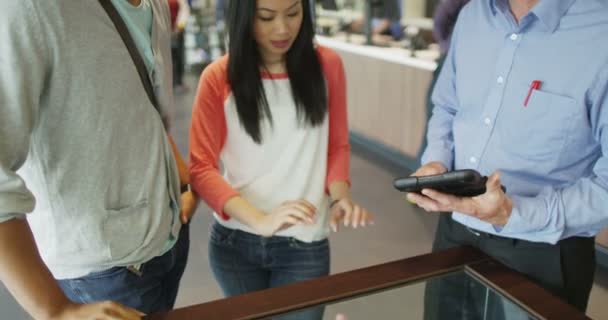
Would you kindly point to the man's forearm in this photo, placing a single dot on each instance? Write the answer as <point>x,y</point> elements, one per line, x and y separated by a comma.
<point>25,275</point>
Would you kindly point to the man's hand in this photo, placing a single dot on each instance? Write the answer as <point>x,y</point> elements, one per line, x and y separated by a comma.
<point>493,207</point>
<point>100,311</point>
<point>430,168</point>
<point>189,205</point>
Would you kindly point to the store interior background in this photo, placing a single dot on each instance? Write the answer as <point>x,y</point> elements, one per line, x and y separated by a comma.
<point>401,230</point>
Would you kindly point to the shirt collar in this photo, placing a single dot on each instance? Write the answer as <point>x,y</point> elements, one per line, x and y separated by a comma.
<point>548,12</point>
<point>499,5</point>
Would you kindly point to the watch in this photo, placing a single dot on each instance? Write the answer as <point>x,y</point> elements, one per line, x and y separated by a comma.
<point>185,188</point>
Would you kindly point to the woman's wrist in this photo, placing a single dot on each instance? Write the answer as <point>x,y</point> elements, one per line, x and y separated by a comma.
<point>338,190</point>
<point>237,207</point>
<point>257,220</point>
<point>254,219</point>
<point>333,202</point>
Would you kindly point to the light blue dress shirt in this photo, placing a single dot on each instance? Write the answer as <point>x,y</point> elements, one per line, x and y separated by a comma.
<point>551,152</point>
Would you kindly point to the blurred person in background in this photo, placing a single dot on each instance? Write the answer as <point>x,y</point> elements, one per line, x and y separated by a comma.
<point>180,12</point>
<point>386,19</point>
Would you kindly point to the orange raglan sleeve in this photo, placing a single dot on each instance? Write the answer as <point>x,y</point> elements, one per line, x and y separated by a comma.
<point>338,157</point>
<point>207,137</point>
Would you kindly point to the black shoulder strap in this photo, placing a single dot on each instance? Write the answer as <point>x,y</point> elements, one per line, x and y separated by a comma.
<point>133,51</point>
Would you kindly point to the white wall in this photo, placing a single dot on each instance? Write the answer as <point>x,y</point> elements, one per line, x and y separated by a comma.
<point>414,8</point>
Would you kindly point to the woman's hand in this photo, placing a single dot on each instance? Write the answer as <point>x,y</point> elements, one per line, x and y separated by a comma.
<point>288,214</point>
<point>349,213</point>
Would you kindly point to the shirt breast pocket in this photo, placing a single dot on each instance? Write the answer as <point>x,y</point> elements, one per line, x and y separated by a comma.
<point>539,130</point>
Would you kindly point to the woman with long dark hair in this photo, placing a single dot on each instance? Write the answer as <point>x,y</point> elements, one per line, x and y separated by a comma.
<point>274,111</point>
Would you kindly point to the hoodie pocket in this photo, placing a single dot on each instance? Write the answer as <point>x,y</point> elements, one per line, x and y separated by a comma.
<point>126,229</point>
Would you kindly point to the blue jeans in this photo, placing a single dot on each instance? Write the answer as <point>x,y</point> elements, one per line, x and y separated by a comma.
<point>244,262</point>
<point>153,291</point>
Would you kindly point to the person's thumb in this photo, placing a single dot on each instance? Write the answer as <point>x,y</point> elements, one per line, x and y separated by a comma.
<point>183,216</point>
<point>493,182</point>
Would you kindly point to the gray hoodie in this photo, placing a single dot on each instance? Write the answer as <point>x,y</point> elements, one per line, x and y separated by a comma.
<point>81,147</point>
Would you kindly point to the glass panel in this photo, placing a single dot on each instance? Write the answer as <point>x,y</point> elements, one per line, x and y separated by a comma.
<point>453,296</point>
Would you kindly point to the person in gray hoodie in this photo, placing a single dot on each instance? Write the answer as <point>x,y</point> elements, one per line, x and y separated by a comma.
<point>83,150</point>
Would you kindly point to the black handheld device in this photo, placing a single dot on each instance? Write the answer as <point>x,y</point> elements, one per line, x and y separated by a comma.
<point>462,183</point>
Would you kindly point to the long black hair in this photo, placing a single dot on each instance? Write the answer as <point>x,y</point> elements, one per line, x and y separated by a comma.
<point>303,68</point>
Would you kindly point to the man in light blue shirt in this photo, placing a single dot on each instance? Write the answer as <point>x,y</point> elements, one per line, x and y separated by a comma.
<point>523,97</point>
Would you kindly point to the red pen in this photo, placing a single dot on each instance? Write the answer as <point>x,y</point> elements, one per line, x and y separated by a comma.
<point>535,85</point>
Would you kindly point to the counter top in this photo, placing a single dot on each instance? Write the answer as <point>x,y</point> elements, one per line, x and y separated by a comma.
<point>425,58</point>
